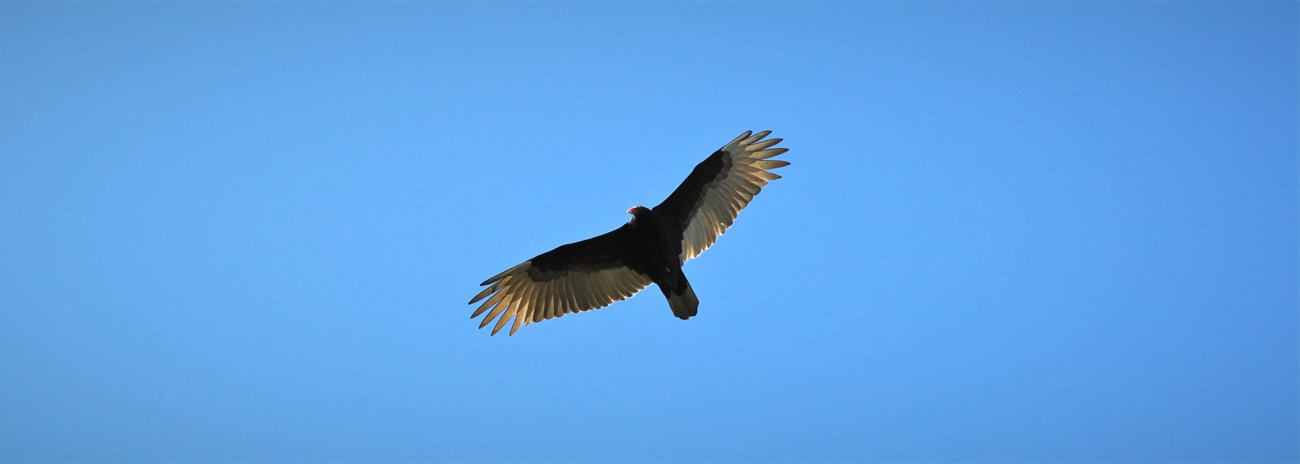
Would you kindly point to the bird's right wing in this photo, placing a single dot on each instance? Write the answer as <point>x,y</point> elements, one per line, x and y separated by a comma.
<point>707,202</point>
<point>576,277</point>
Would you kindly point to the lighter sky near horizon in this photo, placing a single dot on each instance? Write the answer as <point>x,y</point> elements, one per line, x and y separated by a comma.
<point>1011,232</point>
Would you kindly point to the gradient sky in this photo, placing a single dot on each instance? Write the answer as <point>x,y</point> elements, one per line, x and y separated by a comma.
<point>1013,231</point>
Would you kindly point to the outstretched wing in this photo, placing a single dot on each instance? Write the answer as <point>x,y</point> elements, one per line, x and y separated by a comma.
<point>576,277</point>
<point>707,202</point>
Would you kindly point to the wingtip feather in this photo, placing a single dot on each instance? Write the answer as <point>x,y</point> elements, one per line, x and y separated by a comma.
<point>737,140</point>
<point>754,138</point>
<point>501,322</point>
<point>483,294</point>
<point>765,154</point>
<point>772,164</point>
<point>504,273</point>
<point>764,144</point>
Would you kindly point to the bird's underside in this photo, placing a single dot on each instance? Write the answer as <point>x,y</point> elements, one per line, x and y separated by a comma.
<point>649,248</point>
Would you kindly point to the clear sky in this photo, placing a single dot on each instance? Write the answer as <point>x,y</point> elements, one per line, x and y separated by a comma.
<point>1014,231</point>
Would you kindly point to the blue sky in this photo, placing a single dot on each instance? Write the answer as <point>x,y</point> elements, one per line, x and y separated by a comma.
<point>1013,231</point>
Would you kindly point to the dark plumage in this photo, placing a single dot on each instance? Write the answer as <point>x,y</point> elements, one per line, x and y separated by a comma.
<point>650,248</point>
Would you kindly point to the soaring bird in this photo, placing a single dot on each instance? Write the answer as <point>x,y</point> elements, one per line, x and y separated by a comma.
<point>650,248</point>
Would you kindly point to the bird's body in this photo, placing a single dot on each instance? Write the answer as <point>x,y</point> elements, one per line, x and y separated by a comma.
<point>649,248</point>
<point>657,251</point>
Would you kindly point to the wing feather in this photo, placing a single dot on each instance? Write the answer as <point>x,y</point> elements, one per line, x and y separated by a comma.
<point>764,144</point>
<point>765,154</point>
<point>493,301</point>
<point>494,313</point>
<point>545,301</point>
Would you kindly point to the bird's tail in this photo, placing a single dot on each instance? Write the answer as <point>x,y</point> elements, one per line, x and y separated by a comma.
<point>681,297</point>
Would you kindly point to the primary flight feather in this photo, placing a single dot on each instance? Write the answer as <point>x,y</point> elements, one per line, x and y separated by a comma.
<point>649,248</point>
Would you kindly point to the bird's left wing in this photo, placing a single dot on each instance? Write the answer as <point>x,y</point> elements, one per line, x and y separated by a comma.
<point>576,277</point>
<point>707,202</point>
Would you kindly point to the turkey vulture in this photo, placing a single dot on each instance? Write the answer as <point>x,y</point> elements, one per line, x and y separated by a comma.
<point>649,248</point>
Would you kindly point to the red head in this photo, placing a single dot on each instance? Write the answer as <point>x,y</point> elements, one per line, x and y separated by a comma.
<point>638,210</point>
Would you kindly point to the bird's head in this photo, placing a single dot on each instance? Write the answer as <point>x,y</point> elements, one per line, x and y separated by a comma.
<point>638,211</point>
